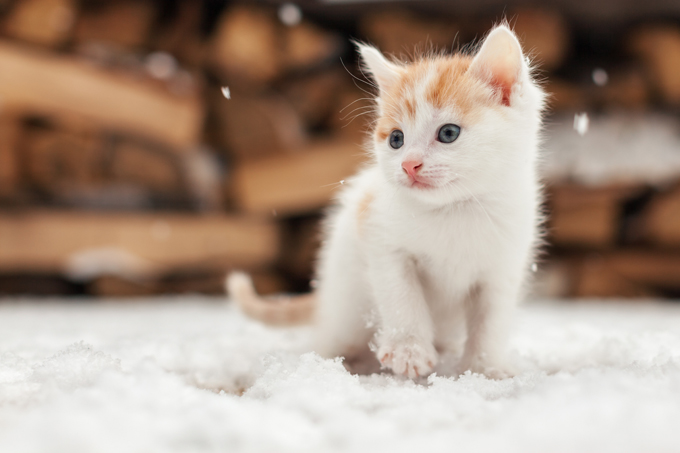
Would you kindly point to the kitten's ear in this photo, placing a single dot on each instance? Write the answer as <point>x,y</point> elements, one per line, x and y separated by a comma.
<point>500,61</point>
<point>384,72</point>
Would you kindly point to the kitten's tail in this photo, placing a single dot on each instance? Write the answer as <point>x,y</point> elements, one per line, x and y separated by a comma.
<point>278,311</point>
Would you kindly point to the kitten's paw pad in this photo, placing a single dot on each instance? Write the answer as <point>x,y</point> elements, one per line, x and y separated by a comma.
<point>408,358</point>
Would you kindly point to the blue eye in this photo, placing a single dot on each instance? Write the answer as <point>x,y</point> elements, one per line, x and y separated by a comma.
<point>396,139</point>
<point>448,133</point>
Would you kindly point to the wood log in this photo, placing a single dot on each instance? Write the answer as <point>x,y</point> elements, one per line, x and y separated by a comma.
<point>114,286</point>
<point>627,88</point>
<point>628,273</point>
<point>544,35</point>
<point>246,48</point>
<point>595,277</point>
<point>295,183</point>
<point>587,216</point>
<point>660,219</point>
<point>203,175</point>
<point>132,243</point>
<point>317,97</point>
<point>658,46</point>
<point>566,96</point>
<point>302,239</point>
<point>266,282</point>
<point>12,284</point>
<point>58,160</point>
<point>152,168</point>
<point>251,127</point>
<point>42,22</point>
<point>307,45</point>
<point>399,31</point>
<point>10,173</point>
<point>33,82</point>
<point>125,23</point>
<point>651,267</point>
<point>251,48</point>
<point>182,37</point>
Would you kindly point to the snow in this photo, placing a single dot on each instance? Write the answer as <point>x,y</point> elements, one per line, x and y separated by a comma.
<point>290,14</point>
<point>600,77</point>
<point>617,148</point>
<point>581,121</point>
<point>193,375</point>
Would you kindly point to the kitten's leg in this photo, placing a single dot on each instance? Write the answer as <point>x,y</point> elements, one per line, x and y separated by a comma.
<point>489,310</point>
<point>449,324</point>
<point>406,334</point>
<point>341,318</point>
<point>449,340</point>
<point>340,327</point>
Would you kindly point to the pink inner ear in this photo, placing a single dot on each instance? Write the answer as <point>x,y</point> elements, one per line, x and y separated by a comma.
<point>502,76</point>
<point>499,62</point>
<point>502,79</point>
<point>504,86</point>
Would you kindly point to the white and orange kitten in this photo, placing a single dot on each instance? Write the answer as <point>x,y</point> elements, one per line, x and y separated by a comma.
<point>434,239</point>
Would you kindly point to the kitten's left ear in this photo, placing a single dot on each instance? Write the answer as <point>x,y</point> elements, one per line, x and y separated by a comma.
<point>500,61</point>
<point>384,72</point>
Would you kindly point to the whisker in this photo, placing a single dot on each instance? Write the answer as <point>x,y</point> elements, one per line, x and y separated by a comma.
<point>358,109</point>
<point>355,101</point>
<point>357,78</point>
<point>355,117</point>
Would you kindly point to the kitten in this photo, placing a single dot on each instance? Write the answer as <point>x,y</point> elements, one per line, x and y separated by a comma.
<point>434,238</point>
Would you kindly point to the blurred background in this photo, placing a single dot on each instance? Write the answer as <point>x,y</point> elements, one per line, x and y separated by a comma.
<point>148,147</point>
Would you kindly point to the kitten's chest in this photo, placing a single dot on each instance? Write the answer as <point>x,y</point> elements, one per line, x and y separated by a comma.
<point>450,251</point>
<point>448,239</point>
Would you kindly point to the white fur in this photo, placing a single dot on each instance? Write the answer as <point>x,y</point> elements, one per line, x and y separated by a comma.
<point>435,267</point>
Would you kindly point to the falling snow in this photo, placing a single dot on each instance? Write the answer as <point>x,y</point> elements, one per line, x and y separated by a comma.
<point>581,123</point>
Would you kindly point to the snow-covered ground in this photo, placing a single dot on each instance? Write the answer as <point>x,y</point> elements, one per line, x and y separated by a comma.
<point>193,375</point>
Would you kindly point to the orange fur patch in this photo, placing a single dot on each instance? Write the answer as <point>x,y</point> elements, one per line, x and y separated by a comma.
<point>410,107</point>
<point>363,209</point>
<point>447,84</point>
<point>382,133</point>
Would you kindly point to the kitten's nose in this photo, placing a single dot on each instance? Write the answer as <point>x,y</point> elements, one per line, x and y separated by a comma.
<point>412,167</point>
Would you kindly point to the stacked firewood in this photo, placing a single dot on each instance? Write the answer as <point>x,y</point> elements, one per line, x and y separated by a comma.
<point>143,150</point>
<point>614,231</point>
<point>150,147</point>
<point>619,239</point>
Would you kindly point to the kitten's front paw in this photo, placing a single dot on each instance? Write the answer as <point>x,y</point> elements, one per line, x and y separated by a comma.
<point>491,369</point>
<point>408,357</point>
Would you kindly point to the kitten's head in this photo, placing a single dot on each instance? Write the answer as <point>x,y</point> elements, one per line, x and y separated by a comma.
<point>452,127</point>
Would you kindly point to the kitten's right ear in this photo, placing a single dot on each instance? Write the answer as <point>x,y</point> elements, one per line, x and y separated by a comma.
<point>500,62</point>
<point>384,72</point>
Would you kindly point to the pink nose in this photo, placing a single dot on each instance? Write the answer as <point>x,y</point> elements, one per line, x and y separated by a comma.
<point>412,167</point>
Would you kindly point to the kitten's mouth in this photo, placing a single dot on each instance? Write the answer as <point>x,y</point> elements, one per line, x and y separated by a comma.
<point>415,183</point>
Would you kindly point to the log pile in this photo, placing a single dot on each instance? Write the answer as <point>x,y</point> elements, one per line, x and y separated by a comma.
<point>160,144</point>
<point>120,152</point>
<point>616,240</point>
